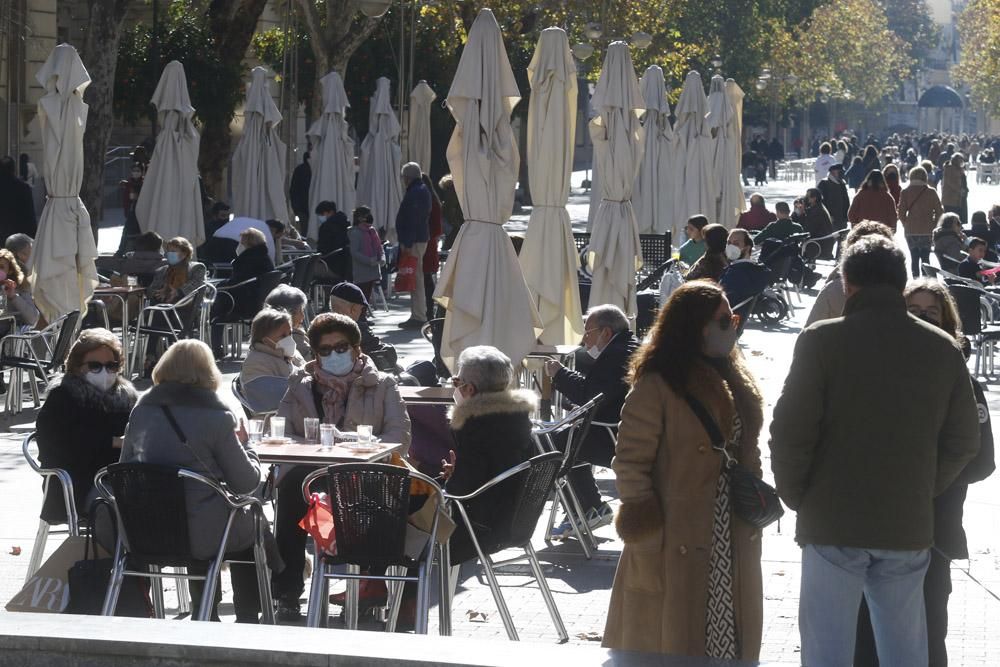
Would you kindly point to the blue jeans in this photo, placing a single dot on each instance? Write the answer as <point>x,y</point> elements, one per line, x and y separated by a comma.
<point>833,581</point>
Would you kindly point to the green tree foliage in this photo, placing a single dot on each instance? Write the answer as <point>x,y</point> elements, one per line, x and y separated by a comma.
<point>979,68</point>
<point>911,21</point>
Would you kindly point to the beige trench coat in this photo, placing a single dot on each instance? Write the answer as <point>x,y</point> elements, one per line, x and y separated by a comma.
<point>667,473</point>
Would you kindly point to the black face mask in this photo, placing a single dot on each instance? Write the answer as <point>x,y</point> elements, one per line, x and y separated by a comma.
<point>927,318</point>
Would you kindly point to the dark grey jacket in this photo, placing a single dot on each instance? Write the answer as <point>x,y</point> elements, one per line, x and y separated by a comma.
<point>212,450</point>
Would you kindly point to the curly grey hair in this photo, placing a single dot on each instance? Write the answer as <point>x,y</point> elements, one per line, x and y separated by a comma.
<point>287,298</point>
<point>486,368</point>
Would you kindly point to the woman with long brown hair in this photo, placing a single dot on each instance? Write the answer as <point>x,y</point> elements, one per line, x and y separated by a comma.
<point>689,579</point>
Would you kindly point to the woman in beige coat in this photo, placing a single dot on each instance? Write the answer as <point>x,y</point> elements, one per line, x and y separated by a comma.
<point>689,579</point>
<point>273,352</point>
<point>919,209</point>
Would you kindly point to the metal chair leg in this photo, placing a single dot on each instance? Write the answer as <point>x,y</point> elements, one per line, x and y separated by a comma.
<point>569,509</point>
<point>395,597</point>
<point>578,508</point>
<point>183,592</point>
<point>351,599</point>
<point>447,591</point>
<point>317,591</point>
<point>38,550</point>
<point>156,592</point>
<point>114,584</point>
<point>208,594</point>
<point>263,583</point>
<point>491,579</point>
<point>543,586</point>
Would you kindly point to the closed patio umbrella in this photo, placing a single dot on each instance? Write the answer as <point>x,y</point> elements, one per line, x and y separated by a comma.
<point>548,256</point>
<point>333,154</point>
<point>481,285</point>
<point>694,184</point>
<point>419,137</point>
<point>721,119</point>
<point>617,134</point>
<point>651,198</point>
<point>259,159</point>
<point>736,95</point>
<point>170,200</point>
<point>63,272</point>
<point>379,185</point>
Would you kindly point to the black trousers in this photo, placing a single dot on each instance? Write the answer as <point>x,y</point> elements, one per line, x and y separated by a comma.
<point>597,449</point>
<point>920,252</point>
<point>429,294</point>
<point>937,589</point>
<point>291,539</point>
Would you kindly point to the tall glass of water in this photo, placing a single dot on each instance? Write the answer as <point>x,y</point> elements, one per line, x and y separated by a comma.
<point>326,432</point>
<point>310,428</point>
<point>364,434</point>
<point>255,428</point>
<point>277,427</point>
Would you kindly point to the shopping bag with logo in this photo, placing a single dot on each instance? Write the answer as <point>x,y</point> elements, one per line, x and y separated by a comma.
<point>318,522</point>
<point>406,273</point>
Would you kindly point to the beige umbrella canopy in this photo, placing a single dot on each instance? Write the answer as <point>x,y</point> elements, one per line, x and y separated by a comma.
<point>549,257</point>
<point>170,200</point>
<point>721,119</point>
<point>333,154</point>
<point>481,285</point>
<point>615,253</point>
<point>259,159</point>
<point>419,137</point>
<point>63,273</point>
<point>651,198</point>
<point>736,95</point>
<point>694,185</point>
<point>379,185</point>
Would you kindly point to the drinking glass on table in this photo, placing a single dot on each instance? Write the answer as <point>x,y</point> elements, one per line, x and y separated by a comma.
<point>310,428</point>
<point>364,434</point>
<point>255,428</point>
<point>132,281</point>
<point>326,432</point>
<point>277,427</point>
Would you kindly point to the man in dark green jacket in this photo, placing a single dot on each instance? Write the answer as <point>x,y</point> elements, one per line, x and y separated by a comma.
<point>876,418</point>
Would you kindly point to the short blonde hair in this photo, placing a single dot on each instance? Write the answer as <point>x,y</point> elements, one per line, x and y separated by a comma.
<point>15,272</point>
<point>180,243</point>
<point>90,340</point>
<point>188,362</point>
<point>252,237</point>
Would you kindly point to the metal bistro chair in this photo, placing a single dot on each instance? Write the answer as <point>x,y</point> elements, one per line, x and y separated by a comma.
<point>655,250</point>
<point>300,275</point>
<point>536,477</point>
<point>36,353</point>
<point>151,510</point>
<point>973,312</point>
<point>49,475</point>
<point>261,396</point>
<point>574,427</point>
<point>370,504</point>
<point>173,321</point>
<point>240,313</point>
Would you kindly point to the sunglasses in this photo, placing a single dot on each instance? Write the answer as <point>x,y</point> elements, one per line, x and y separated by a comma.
<point>727,321</point>
<point>96,366</point>
<point>339,348</point>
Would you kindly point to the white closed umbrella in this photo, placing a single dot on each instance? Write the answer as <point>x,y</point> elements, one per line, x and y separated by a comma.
<point>548,256</point>
<point>721,119</point>
<point>379,185</point>
<point>259,159</point>
<point>63,273</point>
<point>651,197</point>
<point>419,133</point>
<point>736,95</point>
<point>170,200</point>
<point>332,159</point>
<point>481,285</point>
<point>694,183</point>
<point>617,134</point>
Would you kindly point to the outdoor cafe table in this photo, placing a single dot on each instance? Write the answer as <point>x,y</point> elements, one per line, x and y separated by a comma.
<point>299,452</point>
<point>427,395</point>
<point>122,294</point>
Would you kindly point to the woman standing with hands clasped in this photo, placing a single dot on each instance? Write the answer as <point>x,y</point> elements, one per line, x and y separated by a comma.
<point>689,579</point>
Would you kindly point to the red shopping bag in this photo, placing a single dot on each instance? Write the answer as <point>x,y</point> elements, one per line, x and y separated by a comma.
<point>406,273</point>
<point>318,522</point>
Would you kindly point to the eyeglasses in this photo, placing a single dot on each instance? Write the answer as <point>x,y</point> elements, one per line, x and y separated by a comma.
<point>731,320</point>
<point>339,348</point>
<point>96,366</point>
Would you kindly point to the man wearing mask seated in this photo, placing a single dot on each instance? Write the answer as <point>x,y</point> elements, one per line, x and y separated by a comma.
<point>348,299</point>
<point>608,340</point>
<point>743,278</point>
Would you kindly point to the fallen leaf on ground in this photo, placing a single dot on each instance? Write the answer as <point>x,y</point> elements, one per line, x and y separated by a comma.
<point>15,551</point>
<point>477,616</point>
<point>590,636</point>
<point>756,353</point>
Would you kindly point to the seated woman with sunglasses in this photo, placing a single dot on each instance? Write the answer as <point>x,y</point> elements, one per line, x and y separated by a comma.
<point>80,425</point>
<point>341,387</point>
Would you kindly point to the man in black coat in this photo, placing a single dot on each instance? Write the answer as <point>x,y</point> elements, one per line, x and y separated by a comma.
<point>298,192</point>
<point>775,154</point>
<point>835,196</point>
<point>413,233</point>
<point>17,213</point>
<point>333,242</point>
<point>609,341</point>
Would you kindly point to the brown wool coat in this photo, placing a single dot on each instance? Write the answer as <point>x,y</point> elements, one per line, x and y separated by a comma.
<point>666,477</point>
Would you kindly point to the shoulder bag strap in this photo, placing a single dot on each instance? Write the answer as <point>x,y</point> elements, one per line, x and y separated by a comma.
<point>714,434</point>
<point>174,424</point>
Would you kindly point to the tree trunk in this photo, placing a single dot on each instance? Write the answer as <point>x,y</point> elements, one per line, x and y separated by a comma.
<point>100,56</point>
<point>232,23</point>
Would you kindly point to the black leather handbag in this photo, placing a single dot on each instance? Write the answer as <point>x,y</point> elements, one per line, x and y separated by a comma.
<point>754,500</point>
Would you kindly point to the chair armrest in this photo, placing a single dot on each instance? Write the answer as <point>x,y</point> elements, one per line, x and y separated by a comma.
<point>516,470</point>
<point>226,288</point>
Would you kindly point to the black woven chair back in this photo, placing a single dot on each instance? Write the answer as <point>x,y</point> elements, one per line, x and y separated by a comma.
<point>303,269</point>
<point>581,240</point>
<point>969,308</point>
<point>191,313</point>
<point>64,339</point>
<point>580,427</point>
<point>265,283</point>
<point>150,501</point>
<point>655,250</point>
<point>370,503</point>
<point>533,488</point>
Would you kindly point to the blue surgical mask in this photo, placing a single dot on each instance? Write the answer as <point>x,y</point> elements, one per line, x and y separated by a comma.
<point>173,257</point>
<point>337,363</point>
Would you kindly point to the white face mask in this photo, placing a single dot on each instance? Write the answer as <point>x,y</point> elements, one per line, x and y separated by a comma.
<point>458,396</point>
<point>733,252</point>
<point>102,379</point>
<point>594,351</point>
<point>719,342</point>
<point>240,248</point>
<point>286,346</point>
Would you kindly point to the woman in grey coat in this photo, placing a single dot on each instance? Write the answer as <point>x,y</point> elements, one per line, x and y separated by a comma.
<point>367,256</point>
<point>185,381</point>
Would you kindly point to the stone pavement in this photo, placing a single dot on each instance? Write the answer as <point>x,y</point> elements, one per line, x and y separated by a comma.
<point>581,587</point>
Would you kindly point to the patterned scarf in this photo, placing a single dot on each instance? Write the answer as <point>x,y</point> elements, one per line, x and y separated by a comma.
<point>335,388</point>
<point>721,639</point>
<point>373,243</point>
